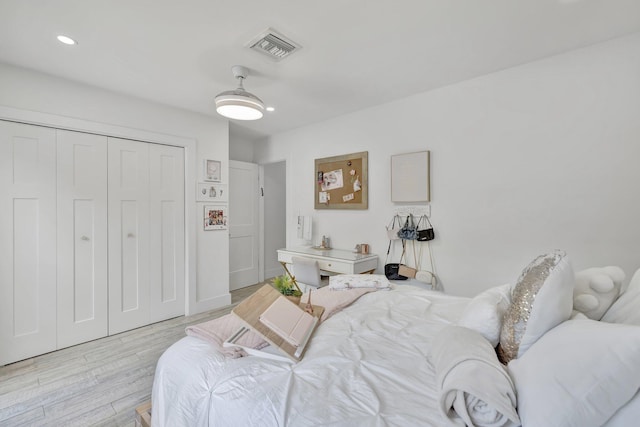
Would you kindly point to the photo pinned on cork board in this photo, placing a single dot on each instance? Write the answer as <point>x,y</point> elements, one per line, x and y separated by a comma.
<point>342,182</point>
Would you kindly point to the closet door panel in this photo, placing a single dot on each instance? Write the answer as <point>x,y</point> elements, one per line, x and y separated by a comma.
<point>128,179</point>
<point>27,241</point>
<point>131,247</point>
<point>82,237</point>
<point>167,262</point>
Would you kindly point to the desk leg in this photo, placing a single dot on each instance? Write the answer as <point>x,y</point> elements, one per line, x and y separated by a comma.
<point>293,279</point>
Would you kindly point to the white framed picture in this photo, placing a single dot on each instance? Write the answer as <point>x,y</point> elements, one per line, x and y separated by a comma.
<point>215,217</point>
<point>211,192</point>
<point>410,177</point>
<point>212,170</point>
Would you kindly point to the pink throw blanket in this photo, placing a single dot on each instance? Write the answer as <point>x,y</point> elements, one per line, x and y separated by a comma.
<point>217,331</point>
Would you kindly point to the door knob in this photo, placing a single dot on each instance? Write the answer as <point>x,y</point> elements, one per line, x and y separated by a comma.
<point>131,235</point>
<point>85,238</point>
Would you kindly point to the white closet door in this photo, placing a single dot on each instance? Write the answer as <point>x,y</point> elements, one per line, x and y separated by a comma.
<point>82,237</point>
<point>27,241</point>
<point>166,221</point>
<point>243,224</point>
<point>128,234</point>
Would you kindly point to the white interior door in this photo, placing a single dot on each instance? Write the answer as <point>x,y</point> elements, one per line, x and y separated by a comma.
<point>82,237</point>
<point>128,178</point>
<point>27,241</point>
<point>243,224</point>
<point>167,262</point>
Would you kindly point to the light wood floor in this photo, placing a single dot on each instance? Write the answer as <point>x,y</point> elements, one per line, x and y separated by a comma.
<point>97,383</point>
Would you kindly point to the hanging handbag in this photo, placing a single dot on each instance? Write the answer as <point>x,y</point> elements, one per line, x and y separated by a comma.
<point>408,230</point>
<point>393,228</point>
<point>391,269</point>
<point>425,234</point>
<point>426,276</point>
<point>405,270</point>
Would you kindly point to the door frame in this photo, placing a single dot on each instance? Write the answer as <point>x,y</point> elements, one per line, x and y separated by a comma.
<point>190,168</point>
<point>261,224</point>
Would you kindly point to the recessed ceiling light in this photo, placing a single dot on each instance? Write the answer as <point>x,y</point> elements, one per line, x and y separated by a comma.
<point>66,40</point>
<point>270,109</point>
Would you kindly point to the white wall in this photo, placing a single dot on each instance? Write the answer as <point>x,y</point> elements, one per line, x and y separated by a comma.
<point>274,207</point>
<point>240,148</point>
<point>523,161</point>
<point>88,108</point>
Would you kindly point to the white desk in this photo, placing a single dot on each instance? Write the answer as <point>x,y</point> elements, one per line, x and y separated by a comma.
<point>332,260</point>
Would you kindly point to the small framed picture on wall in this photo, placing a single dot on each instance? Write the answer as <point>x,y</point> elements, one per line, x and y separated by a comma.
<point>215,217</point>
<point>212,170</point>
<point>211,192</point>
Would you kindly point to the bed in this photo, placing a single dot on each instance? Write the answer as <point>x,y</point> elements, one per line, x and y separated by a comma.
<point>413,357</point>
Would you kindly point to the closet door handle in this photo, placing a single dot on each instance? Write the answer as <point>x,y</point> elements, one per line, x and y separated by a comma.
<point>85,238</point>
<point>131,235</point>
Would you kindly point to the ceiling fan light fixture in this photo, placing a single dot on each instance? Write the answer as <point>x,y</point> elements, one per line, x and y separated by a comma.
<point>238,104</point>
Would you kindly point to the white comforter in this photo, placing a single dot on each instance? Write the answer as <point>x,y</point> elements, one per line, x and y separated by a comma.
<point>365,366</point>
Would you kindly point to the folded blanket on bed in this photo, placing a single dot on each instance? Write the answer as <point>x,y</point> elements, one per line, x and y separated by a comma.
<point>353,281</point>
<point>474,388</point>
<point>333,301</point>
<point>217,331</point>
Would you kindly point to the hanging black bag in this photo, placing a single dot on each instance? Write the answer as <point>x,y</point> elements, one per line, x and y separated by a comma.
<point>391,269</point>
<point>425,234</point>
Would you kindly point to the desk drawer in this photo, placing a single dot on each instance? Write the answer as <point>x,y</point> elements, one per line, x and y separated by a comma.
<point>285,257</point>
<point>344,262</point>
<point>332,265</point>
<point>335,266</point>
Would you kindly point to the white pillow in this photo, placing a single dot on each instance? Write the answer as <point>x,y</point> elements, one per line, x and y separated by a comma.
<point>626,309</point>
<point>541,299</point>
<point>596,289</point>
<point>628,415</point>
<point>484,312</point>
<point>578,374</point>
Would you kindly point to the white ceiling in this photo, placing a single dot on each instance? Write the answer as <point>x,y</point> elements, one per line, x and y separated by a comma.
<point>356,53</point>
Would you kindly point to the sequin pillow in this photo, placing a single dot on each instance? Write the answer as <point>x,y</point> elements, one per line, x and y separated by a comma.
<point>541,299</point>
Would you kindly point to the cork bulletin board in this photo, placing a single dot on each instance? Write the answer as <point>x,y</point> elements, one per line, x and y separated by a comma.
<point>342,182</point>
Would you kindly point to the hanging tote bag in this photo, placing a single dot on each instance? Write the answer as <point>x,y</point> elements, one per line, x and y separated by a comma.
<point>425,234</point>
<point>408,230</point>
<point>405,270</point>
<point>393,228</point>
<point>427,276</point>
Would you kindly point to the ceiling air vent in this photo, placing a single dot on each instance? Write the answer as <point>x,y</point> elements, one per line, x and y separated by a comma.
<point>274,45</point>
